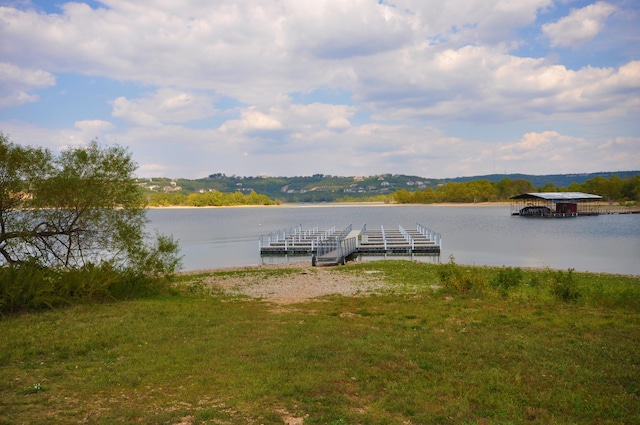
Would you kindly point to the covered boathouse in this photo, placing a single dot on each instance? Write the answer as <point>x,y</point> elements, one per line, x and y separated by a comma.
<point>555,204</point>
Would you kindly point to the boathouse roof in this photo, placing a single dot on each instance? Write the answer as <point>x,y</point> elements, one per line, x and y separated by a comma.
<point>559,196</point>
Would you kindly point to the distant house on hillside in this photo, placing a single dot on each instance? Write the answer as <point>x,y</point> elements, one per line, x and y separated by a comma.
<point>554,204</point>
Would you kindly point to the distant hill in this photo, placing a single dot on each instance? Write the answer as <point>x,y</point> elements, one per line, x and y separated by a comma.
<point>316,188</point>
<point>327,188</point>
<point>559,180</point>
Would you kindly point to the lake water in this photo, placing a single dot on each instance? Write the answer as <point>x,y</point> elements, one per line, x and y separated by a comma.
<point>480,235</point>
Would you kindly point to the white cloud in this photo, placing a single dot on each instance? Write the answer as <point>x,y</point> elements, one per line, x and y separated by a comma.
<point>251,119</point>
<point>337,29</point>
<point>471,22</point>
<point>293,118</point>
<point>550,152</point>
<point>27,77</point>
<point>164,105</point>
<point>621,150</point>
<point>479,83</point>
<point>16,98</point>
<point>132,112</point>
<point>15,82</point>
<point>95,126</point>
<point>549,145</point>
<point>580,26</point>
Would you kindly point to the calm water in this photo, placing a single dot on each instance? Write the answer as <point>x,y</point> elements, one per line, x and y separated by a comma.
<point>483,235</point>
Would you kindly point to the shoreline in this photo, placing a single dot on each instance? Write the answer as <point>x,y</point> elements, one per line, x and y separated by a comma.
<point>306,265</point>
<point>339,205</point>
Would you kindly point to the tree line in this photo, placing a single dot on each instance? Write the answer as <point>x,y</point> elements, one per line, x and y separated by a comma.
<point>612,189</point>
<point>208,199</point>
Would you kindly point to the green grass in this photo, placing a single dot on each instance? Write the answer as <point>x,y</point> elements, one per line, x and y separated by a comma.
<point>489,351</point>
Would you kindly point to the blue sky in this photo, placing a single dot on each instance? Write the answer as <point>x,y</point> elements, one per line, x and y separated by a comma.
<point>352,88</point>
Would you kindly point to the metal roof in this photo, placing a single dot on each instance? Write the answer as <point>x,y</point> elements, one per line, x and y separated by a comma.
<point>559,196</point>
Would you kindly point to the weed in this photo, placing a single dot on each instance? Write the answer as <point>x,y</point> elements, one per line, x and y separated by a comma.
<point>535,281</point>
<point>34,389</point>
<point>508,277</point>
<point>564,285</point>
<point>457,279</point>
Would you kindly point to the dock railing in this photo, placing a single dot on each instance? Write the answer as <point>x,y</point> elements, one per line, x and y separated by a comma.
<point>384,237</point>
<point>345,231</point>
<point>279,235</point>
<point>430,234</point>
<point>407,236</point>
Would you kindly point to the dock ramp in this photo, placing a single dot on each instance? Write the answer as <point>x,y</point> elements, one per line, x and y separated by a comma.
<point>336,250</point>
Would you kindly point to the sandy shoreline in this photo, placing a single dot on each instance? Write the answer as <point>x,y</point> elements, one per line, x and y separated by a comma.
<point>307,283</point>
<point>340,204</point>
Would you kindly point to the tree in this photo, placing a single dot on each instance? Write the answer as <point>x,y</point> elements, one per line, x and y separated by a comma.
<point>403,196</point>
<point>507,188</point>
<point>548,187</point>
<point>631,188</point>
<point>78,208</point>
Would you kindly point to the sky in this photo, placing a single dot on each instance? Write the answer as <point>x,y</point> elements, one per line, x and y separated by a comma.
<point>432,88</point>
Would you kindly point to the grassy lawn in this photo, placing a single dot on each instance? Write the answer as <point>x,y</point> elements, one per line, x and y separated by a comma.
<point>486,352</point>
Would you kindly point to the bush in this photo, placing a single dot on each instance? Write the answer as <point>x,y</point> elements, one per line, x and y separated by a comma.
<point>29,286</point>
<point>458,279</point>
<point>564,285</point>
<point>507,277</point>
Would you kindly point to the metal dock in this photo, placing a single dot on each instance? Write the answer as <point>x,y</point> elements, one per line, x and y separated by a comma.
<point>421,241</point>
<point>294,241</point>
<point>334,247</point>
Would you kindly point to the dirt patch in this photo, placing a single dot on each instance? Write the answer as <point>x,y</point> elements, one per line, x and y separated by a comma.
<point>309,282</point>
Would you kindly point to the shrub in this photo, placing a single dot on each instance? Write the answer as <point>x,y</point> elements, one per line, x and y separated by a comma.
<point>507,277</point>
<point>564,285</point>
<point>29,286</point>
<point>458,279</point>
<point>535,280</point>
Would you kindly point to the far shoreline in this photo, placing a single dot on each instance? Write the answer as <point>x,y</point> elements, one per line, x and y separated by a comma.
<point>338,205</point>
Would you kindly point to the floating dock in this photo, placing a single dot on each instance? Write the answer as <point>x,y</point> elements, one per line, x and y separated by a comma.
<point>331,246</point>
<point>420,241</point>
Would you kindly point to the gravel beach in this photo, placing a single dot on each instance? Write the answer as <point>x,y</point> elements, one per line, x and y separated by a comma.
<point>306,283</point>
